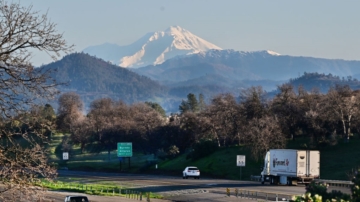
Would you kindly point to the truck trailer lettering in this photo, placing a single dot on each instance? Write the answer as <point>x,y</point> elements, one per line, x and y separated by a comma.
<point>277,162</point>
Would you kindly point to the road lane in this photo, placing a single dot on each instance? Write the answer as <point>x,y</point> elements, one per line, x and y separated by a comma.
<point>174,186</point>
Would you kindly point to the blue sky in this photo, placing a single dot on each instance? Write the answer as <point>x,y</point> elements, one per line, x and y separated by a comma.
<point>323,28</point>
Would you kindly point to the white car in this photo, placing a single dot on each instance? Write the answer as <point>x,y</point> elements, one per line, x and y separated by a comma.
<point>76,199</point>
<point>191,171</point>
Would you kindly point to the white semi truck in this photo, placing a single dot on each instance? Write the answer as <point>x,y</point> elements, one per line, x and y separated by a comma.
<point>288,166</point>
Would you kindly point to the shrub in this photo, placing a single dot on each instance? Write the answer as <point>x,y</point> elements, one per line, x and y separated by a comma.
<point>202,149</point>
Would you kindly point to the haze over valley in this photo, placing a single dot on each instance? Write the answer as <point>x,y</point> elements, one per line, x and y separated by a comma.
<point>167,65</point>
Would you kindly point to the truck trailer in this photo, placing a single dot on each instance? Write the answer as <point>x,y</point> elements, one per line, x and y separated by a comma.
<point>290,167</point>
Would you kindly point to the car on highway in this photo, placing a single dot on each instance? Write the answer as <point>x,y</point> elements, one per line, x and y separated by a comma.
<point>191,171</point>
<point>76,199</point>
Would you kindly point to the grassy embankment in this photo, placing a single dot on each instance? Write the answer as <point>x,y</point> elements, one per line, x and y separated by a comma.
<point>335,161</point>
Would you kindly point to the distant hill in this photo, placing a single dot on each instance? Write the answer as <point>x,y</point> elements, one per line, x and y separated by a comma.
<point>323,82</point>
<point>94,78</point>
<point>237,66</point>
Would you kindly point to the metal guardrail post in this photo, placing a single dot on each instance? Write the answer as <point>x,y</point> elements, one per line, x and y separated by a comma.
<point>227,191</point>
<point>276,197</point>
<point>266,197</point>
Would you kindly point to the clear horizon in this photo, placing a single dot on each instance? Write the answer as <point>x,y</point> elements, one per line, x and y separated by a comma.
<point>323,29</point>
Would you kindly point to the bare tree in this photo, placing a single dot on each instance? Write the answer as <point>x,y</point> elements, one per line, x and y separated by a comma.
<point>146,118</point>
<point>111,121</point>
<point>69,111</point>
<point>21,31</point>
<point>344,103</point>
<point>101,114</point>
<point>225,119</point>
<point>264,134</point>
<point>82,132</point>
<point>286,108</point>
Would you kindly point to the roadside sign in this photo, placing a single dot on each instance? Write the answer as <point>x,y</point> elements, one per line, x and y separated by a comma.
<point>240,160</point>
<point>124,149</point>
<point>65,155</point>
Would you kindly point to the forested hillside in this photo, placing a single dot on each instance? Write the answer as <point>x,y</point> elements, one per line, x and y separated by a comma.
<point>94,78</point>
<point>323,82</point>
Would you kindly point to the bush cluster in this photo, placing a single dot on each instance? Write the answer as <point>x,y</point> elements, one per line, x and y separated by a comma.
<point>318,192</point>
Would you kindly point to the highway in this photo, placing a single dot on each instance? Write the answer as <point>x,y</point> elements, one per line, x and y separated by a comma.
<point>174,188</point>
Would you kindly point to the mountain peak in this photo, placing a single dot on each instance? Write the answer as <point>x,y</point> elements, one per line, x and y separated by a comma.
<point>175,28</point>
<point>154,48</point>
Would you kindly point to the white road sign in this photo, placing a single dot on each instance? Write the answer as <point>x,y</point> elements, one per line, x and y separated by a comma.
<point>65,155</point>
<point>240,160</point>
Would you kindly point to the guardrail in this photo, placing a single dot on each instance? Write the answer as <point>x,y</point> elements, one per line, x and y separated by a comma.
<point>254,194</point>
<point>255,178</point>
<point>334,183</point>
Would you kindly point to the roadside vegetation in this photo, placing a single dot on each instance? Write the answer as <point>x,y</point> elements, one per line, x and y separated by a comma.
<point>99,188</point>
<point>221,163</point>
<point>207,132</point>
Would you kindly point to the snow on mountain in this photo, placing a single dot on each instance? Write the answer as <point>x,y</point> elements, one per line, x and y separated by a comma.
<point>231,53</point>
<point>153,48</point>
<point>273,53</point>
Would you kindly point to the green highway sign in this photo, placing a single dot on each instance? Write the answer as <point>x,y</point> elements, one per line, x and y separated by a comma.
<point>124,149</point>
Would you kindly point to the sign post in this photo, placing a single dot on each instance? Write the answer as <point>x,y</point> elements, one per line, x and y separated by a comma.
<point>65,156</point>
<point>124,149</point>
<point>240,161</point>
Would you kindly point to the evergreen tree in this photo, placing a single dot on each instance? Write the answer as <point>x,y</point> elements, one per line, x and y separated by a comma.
<point>193,102</point>
<point>184,107</point>
<point>157,107</point>
<point>202,103</point>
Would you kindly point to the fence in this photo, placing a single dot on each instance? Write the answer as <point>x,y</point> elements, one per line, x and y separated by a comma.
<point>100,190</point>
<point>336,183</point>
<point>255,178</point>
<point>255,195</point>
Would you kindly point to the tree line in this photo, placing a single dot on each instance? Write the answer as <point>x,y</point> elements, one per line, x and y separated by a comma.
<point>250,119</point>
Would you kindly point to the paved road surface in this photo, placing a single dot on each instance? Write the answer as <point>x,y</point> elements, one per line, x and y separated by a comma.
<point>174,188</point>
<point>205,197</point>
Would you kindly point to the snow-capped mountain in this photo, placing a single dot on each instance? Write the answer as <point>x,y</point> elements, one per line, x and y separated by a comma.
<point>153,48</point>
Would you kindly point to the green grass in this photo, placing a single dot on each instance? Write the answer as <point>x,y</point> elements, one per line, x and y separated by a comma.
<point>91,188</point>
<point>101,161</point>
<point>335,161</point>
<point>221,163</point>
